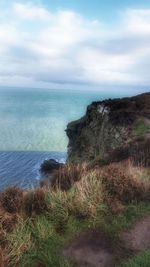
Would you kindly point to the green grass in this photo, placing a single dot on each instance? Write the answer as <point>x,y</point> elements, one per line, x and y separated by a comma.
<point>35,243</point>
<point>132,213</point>
<point>140,128</point>
<point>141,260</point>
<point>112,225</point>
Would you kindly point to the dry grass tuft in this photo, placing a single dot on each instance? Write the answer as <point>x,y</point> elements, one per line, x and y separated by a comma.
<point>65,177</point>
<point>84,199</point>
<point>11,199</point>
<point>89,196</point>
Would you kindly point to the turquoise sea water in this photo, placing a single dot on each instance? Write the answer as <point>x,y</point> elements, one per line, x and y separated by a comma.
<point>32,128</point>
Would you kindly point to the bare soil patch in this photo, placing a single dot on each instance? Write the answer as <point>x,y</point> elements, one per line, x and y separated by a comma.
<point>138,238</point>
<point>91,248</point>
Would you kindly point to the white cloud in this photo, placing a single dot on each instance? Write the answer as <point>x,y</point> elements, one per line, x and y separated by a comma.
<point>30,12</point>
<point>44,48</point>
<point>100,67</point>
<point>137,21</point>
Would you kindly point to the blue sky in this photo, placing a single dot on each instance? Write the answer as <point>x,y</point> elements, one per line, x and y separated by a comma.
<point>98,9</point>
<point>106,9</point>
<point>74,44</point>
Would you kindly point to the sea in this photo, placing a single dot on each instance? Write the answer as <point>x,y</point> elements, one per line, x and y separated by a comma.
<point>32,129</point>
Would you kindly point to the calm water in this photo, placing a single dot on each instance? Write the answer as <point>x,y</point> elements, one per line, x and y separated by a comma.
<point>32,128</point>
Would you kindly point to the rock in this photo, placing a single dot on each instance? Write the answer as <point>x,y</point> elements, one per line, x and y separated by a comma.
<point>49,166</point>
<point>110,129</point>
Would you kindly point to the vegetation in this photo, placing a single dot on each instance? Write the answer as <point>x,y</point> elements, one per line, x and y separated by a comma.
<point>11,199</point>
<point>140,128</point>
<point>66,176</point>
<point>137,261</point>
<point>35,226</point>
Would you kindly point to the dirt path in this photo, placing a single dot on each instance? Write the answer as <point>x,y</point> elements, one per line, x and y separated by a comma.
<point>91,248</point>
<point>138,238</point>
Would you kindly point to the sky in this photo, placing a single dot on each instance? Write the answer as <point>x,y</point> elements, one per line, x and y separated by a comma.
<point>75,44</point>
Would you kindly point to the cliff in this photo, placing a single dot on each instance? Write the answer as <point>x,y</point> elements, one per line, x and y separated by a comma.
<point>112,130</point>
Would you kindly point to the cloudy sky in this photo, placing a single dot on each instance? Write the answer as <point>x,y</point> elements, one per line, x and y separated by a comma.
<point>75,43</point>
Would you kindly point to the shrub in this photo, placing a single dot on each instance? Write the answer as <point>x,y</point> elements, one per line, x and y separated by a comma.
<point>11,199</point>
<point>66,176</point>
<point>35,202</point>
<point>121,183</point>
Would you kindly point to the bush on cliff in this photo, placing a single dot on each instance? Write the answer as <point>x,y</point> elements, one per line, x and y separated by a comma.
<point>123,184</point>
<point>35,202</point>
<point>11,199</point>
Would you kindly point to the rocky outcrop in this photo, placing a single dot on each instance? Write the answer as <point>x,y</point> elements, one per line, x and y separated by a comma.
<point>47,169</point>
<point>110,130</point>
<point>49,166</point>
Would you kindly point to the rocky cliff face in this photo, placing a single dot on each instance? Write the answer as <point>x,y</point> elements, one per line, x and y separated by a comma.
<point>110,130</point>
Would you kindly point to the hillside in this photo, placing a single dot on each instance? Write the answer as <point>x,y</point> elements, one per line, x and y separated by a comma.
<point>89,212</point>
<point>112,130</point>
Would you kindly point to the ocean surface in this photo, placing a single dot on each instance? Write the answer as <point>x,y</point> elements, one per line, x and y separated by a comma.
<point>32,128</point>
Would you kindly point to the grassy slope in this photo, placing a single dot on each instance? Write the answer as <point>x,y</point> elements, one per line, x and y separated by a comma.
<point>49,219</point>
<point>38,241</point>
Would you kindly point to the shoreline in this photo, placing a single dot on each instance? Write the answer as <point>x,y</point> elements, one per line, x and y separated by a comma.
<point>93,210</point>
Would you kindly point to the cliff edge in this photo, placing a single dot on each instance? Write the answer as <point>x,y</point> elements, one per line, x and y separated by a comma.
<point>112,130</point>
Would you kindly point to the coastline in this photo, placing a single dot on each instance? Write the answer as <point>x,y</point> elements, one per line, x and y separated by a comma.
<point>89,211</point>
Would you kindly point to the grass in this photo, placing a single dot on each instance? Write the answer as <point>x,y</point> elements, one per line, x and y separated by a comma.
<point>124,220</point>
<point>140,128</point>
<point>141,260</point>
<point>49,219</point>
<point>36,243</point>
<point>66,176</point>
